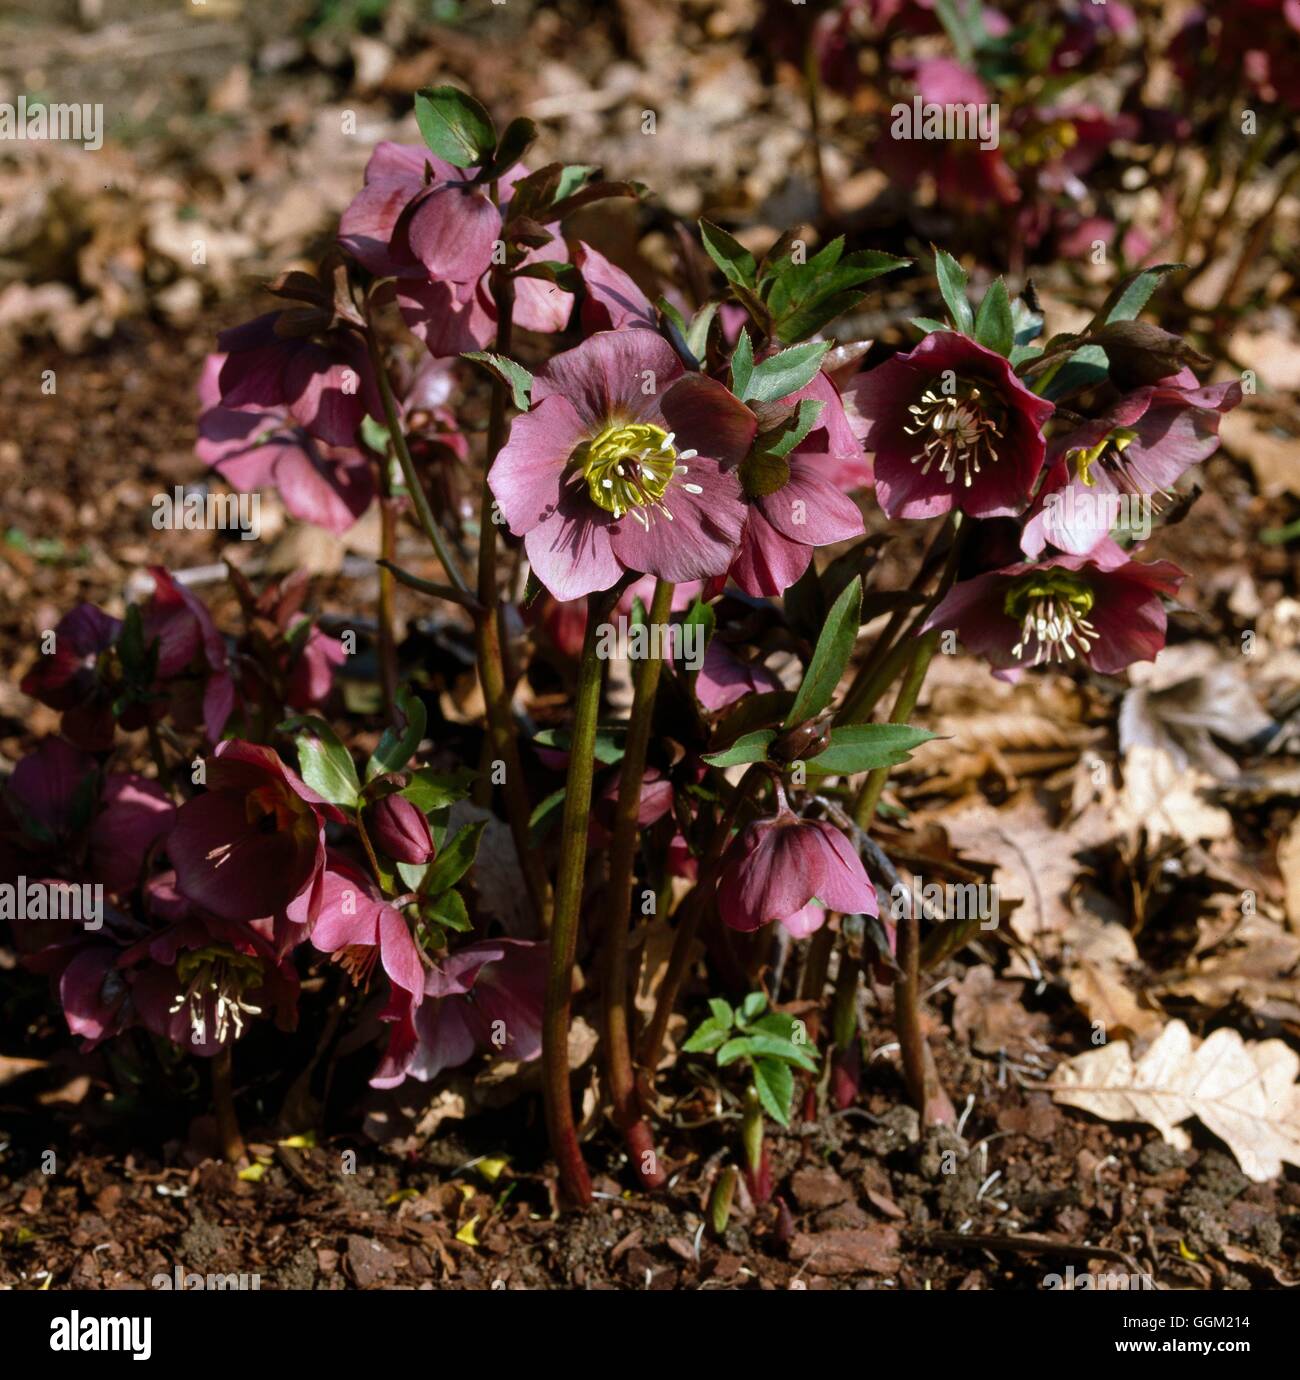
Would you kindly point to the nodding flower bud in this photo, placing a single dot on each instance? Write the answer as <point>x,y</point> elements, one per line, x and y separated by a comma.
<point>399,828</point>
<point>799,743</point>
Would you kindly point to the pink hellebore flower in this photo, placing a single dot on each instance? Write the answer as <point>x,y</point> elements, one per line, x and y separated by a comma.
<point>613,301</point>
<point>436,237</point>
<point>601,477</point>
<point>187,636</point>
<point>951,427</point>
<point>399,827</point>
<point>358,927</point>
<point>486,995</point>
<point>1137,452</point>
<point>792,870</point>
<point>724,678</point>
<point>329,486</point>
<point>1102,610</point>
<point>253,845</point>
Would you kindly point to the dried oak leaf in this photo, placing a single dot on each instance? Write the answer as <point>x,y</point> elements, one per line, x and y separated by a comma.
<point>1246,1094</point>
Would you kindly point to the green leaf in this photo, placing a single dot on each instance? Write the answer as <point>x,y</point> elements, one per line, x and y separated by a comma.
<point>448,909</point>
<point>455,858</point>
<point>572,177</point>
<point>1085,368</point>
<point>515,375</point>
<point>928,324</point>
<point>805,297</point>
<point>323,762</point>
<point>546,814</point>
<point>454,126</point>
<point>430,790</point>
<point>697,338</point>
<point>993,326</point>
<point>785,372</point>
<point>396,747</point>
<point>831,656</point>
<point>864,747</point>
<point>753,1007</point>
<point>738,265</point>
<point>1132,295</point>
<point>806,416</point>
<point>742,363</point>
<point>764,1046</point>
<point>952,286</point>
<point>609,749</point>
<point>722,1012</point>
<point>774,1083</point>
<point>706,1039</point>
<point>752,747</point>
<point>515,142</point>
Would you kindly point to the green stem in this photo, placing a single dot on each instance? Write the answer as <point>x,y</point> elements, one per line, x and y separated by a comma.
<point>387,611</point>
<point>922,653</point>
<point>424,514</point>
<point>488,636</point>
<point>223,1104</point>
<point>689,914</point>
<point>564,928</point>
<point>617,1037</point>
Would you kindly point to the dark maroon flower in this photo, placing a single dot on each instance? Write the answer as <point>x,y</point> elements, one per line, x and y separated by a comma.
<point>69,678</point>
<point>400,829</point>
<point>1134,454</point>
<point>188,639</point>
<point>486,995</point>
<point>329,486</point>
<point>253,844</point>
<point>135,814</point>
<point>1103,610</point>
<point>312,675</point>
<point>792,870</point>
<point>951,427</point>
<point>52,787</point>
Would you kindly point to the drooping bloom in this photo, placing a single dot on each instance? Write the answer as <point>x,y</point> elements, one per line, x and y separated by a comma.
<point>1102,610</point>
<point>613,300</point>
<point>598,480</point>
<point>69,678</point>
<point>309,360</point>
<point>253,844</point>
<point>724,678</point>
<point>951,427</point>
<point>424,223</point>
<point>1133,455</point>
<point>488,995</point>
<point>187,639</point>
<point>135,814</point>
<point>792,870</point>
<point>51,789</point>
<point>329,486</point>
<point>360,928</point>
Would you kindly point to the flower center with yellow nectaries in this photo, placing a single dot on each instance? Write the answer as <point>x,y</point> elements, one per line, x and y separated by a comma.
<point>274,809</point>
<point>213,982</point>
<point>1109,448</point>
<point>1052,608</point>
<point>358,962</point>
<point>958,432</point>
<point>628,468</point>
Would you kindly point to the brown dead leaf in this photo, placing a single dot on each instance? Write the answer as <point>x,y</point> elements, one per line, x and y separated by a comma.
<point>1166,801</point>
<point>1246,1094</point>
<point>1259,970</point>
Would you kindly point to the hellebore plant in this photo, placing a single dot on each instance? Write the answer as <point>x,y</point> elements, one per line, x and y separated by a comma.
<point>769,1045</point>
<point>700,465</point>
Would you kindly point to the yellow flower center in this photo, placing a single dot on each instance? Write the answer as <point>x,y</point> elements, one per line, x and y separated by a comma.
<point>1052,608</point>
<point>628,467</point>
